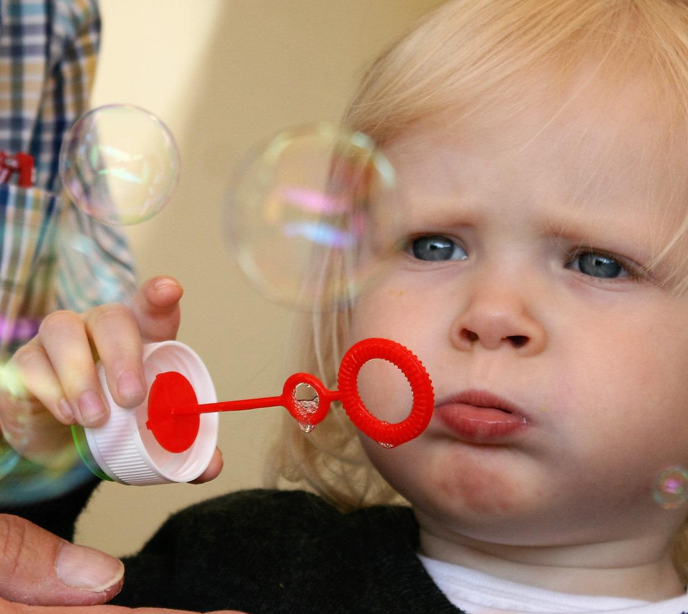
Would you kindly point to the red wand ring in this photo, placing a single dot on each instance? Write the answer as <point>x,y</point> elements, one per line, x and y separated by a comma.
<point>174,412</point>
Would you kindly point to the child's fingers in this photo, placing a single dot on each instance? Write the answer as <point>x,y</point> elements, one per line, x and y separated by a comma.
<point>213,470</point>
<point>156,308</point>
<point>63,335</point>
<point>31,374</point>
<point>117,339</point>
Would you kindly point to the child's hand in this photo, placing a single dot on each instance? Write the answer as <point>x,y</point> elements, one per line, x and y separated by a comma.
<point>56,370</point>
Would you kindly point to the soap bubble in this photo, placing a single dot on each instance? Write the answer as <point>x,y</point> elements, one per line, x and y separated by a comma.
<point>8,460</point>
<point>313,215</point>
<point>28,475</point>
<point>104,284</point>
<point>671,488</point>
<point>119,164</point>
<point>24,482</point>
<point>30,470</point>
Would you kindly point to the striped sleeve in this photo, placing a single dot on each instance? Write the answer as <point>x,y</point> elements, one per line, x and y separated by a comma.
<point>52,254</point>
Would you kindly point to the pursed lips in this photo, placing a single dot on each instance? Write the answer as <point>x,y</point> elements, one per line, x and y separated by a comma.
<point>479,416</point>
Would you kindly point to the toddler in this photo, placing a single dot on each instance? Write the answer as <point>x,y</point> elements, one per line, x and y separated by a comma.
<point>541,149</point>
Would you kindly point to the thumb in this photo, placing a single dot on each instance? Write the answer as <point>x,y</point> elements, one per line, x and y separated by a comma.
<point>156,308</point>
<point>39,568</point>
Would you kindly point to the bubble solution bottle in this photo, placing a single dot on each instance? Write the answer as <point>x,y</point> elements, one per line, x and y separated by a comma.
<point>172,435</point>
<point>124,450</point>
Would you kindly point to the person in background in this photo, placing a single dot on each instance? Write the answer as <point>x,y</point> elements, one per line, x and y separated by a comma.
<point>48,55</point>
<point>53,255</point>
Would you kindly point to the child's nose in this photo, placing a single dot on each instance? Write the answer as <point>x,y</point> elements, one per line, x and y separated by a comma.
<point>495,318</point>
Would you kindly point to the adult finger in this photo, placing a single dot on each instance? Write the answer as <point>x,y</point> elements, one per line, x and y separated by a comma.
<point>37,567</point>
<point>156,308</point>
<point>14,608</point>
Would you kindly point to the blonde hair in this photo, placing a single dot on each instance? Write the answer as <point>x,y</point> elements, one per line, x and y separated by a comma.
<point>473,57</point>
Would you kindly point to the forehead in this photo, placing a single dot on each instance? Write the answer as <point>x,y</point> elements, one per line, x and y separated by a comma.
<point>580,147</point>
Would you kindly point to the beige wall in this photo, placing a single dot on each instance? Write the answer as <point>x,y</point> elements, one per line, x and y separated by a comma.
<point>224,74</point>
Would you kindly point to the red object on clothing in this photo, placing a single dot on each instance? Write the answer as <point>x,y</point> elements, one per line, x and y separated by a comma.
<point>21,163</point>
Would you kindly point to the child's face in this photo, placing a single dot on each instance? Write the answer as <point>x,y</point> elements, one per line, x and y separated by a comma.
<point>527,291</point>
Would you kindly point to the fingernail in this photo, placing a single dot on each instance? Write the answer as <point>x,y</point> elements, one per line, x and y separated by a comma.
<point>166,282</point>
<point>86,568</point>
<point>91,407</point>
<point>131,386</point>
<point>66,410</point>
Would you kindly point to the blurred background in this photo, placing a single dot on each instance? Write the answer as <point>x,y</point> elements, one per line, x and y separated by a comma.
<point>224,75</point>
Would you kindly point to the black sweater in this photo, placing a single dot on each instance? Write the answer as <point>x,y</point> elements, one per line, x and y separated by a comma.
<point>268,552</point>
<point>272,552</point>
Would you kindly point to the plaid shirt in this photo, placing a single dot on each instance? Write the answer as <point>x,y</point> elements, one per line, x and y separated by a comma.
<point>52,255</point>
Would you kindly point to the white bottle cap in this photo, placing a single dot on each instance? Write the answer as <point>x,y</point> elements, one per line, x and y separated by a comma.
<point>127,451</point>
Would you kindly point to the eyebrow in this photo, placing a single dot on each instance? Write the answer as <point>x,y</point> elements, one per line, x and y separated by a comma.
<point>557,227</point>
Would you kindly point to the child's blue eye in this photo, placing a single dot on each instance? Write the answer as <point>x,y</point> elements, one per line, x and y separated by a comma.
<point>436,248</point>
<point>596,264</point>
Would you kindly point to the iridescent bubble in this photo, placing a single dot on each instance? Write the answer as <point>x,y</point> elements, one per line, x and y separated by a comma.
<point>83,251</point>
<point>8,460</point>
<point>34,468</point>
<point>25,482</point>
<point>671,488</point>
<point>119,164</point>
<point>313,215</point>
<point>10,382</point>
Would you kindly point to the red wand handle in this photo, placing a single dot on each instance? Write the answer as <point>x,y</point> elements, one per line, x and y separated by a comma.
<point>173,410</point>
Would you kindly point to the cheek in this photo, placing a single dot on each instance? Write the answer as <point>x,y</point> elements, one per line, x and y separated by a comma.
<point>633,388</point>
<point>398,308</point>
<point>373,316</point>
<point>383,388</point>
<point>648,372</point>
<point>453,482</point>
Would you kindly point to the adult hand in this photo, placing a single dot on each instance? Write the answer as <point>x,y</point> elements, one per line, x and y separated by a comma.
<point>39,569</point>
<point>54,375</point>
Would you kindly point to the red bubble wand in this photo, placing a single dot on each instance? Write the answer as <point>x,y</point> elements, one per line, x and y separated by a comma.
<point>174,412</point>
